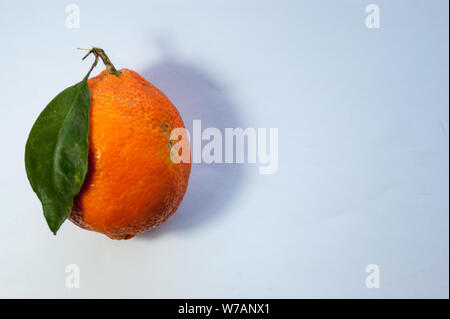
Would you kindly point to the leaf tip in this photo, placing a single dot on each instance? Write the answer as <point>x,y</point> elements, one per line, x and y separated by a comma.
<point>53,229</point>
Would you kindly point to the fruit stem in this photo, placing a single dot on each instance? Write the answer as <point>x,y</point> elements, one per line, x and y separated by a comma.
<point>99,52</point>
<point>92,67</point>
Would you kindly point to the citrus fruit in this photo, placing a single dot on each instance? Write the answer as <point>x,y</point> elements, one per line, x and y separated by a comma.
<point>132,184</point>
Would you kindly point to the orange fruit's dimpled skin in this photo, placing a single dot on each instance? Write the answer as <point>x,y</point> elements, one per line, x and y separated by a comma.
<point>131,185</point>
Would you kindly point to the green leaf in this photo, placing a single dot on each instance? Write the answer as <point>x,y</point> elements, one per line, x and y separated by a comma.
<point>56,153</point>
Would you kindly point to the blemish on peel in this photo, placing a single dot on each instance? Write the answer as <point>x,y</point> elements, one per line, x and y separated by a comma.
<point>164,127</point>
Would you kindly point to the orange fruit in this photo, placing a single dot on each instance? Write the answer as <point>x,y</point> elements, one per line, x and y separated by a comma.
<point>132,184</point>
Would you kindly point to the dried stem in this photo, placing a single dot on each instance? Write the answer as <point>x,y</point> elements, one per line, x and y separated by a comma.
<point>99,52</point>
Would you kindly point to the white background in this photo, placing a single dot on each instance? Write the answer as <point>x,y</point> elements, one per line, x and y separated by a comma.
<point>363,148</point>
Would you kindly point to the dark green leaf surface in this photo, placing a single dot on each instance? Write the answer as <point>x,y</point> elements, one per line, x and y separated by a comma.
<point>56,154</point>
